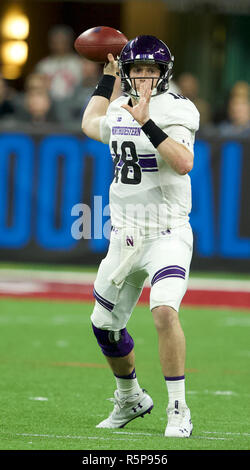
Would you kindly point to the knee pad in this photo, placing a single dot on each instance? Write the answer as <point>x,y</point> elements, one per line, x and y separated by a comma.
<point>114,343</point>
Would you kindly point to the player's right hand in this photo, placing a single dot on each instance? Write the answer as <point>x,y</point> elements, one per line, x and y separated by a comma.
<point>140,111</point>
<point>111,66</point>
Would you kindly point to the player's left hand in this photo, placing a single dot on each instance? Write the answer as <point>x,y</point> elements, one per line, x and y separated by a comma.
<point>140,112</point>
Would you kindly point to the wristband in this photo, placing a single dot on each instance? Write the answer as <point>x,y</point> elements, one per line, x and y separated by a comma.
<point>105,86</point>
<point>154,133</point>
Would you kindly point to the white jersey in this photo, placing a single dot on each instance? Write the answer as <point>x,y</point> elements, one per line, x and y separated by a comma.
<point>146,192</point>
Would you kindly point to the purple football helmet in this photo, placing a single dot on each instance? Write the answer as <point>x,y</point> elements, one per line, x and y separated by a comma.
<point>149,50</point>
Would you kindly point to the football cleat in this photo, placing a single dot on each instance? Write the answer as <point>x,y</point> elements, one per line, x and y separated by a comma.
<point>179,421</point>
<point>125,410</point>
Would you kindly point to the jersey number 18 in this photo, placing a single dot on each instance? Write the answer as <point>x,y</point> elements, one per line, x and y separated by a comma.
<point>129,166</point>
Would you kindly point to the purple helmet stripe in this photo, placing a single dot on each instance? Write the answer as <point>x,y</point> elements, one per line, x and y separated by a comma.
<point>105,303</point>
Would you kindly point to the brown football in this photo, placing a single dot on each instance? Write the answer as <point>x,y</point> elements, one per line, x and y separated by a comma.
<point>95,43</point>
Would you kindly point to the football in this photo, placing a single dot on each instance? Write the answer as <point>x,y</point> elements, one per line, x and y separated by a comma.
<point>95,43</point>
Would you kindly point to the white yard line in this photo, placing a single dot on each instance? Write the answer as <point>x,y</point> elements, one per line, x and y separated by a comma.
<point>56,436</point>
<point>161,435</point>
<point>246,434</point>
<point>213,438</point>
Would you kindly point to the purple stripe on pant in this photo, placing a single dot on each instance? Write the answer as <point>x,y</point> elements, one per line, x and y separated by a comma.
<point>104,302</point>
<point>169,271</point>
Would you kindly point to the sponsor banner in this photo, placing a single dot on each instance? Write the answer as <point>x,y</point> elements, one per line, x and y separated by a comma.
<point>54,200</point>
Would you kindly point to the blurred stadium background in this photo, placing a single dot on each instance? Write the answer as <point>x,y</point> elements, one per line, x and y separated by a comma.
<point>47,166</point>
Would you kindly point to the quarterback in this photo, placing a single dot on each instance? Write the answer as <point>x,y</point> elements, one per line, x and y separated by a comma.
<point>151,134</point>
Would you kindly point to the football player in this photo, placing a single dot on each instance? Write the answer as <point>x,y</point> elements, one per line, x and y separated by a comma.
<point>151,134</point>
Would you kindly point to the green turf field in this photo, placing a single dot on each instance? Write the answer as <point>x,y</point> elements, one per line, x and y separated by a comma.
<point>55,381</point>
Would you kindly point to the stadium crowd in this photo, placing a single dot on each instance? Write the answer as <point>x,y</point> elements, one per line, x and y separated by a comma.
<point>58,90</point>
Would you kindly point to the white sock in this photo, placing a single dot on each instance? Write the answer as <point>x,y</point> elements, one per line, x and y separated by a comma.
<point>176,390</point>
<point>127,385</point>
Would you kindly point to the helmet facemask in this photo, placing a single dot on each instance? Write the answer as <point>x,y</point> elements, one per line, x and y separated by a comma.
<point>129,83</point>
